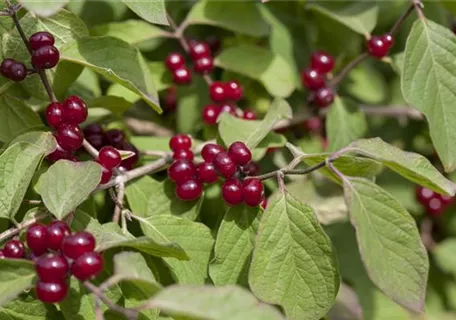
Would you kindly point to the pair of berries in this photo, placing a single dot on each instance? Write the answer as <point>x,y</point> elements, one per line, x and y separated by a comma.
<point>13,70</point>
<point>44,54</point>
<point>314,79</point>
<point>434,203</point>
<point>379,46</point>
<point>211,112</point>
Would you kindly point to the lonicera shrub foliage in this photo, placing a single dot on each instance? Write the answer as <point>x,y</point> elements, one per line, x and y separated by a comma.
<point>227,160</point>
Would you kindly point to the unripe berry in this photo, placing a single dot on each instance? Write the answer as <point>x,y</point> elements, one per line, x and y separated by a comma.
<point>232,192</point>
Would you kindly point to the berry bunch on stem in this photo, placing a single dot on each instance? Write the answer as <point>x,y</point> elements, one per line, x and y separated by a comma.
<point>434,203</point>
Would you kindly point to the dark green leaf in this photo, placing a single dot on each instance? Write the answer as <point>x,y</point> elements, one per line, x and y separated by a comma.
<point>15,277</point>
<point>28,308</point>
<point>152,11</point>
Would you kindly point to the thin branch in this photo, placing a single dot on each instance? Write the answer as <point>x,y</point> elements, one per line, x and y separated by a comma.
<point>349,67</point>
<point>393,111</point>
<point>153,153</point>
<point>90,149</point>
<point>401,20</point>
<point>119,202</point>
<point>143,127</point>
<point>419,9</point>
<point>426,234</point>
<point>21,226</point>
<point>289,171</point>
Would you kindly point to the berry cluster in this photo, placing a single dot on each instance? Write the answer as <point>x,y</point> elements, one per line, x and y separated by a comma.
<point>434,203</point>
<point>379,46</point>
<point>314,79</point>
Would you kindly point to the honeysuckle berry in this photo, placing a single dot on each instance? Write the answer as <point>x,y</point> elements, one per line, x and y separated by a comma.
<point>239,153</point>
<point>323,97</point>
<point>435,207</point>
<point>14,249</point>
<point>189,190</point>
<point>35,237</point>
<point>69,137</point>
<point>312,79</point>
<point>424,195</point>
<point>217,91</point>
<point>183,154</point>
<point>388,40</point>
<point>203,65</point>
<point>5,67</point>
<point>51,292</point>
<point>207,173</point>
<point>87,266</point>
<point>174,61</point>
<point>182,76</point>
<point>45,57</point>
<point>377,47</point>
<point>227,107</point>
<point>74,110</point>
<point>446,199</point>
<point>106,175</point>
<point>17,71</point>
<point>249,115</point>
<point>75,245</point>
<point>52,267</point>
<point>182,170</point>
<point>109,157</point>
<point>251,169</point>
<point>54,114</point>
<point>210,114</point>
<point>252,190</point>
<point>224,164</point>
<point>180,142</point>
<point>234,90</point>
<point>199,50</point>
<point>210,151</point>
<point>322,61</point>
<point>41,39</point>
<point>55,233</point>
<point>59,153</point>
<point>232,192</point>
<point>170,100</point>
<point>114,137</point>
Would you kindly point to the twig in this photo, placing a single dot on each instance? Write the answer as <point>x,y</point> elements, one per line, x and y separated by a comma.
<point>32,202</point>
<point>153,153</point>
<point>393,111</point>
<point>143,127</point>
<point>346,70</point>
<point>289,171</point>
<point>98,311</point>
<point>119,202</point>
<point>426,234</point>
<point>419,9</point>
<point>401,20</point>
<point>21,226</point>
<point>90,149</point>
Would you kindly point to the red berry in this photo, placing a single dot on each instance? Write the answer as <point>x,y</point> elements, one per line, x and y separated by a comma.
<point>35,238</point>
<point>377,47</point>
<point>324,97</point>
<point>41,39</point>
<point>115,137</point>
<point>312,79</point>
<point>264,203</point>
<point>96,140</point>
<point>180,142</point>
<point>210,114</point>
<point>88,265</point>
<point>181,170</point>
<point>249,115</point>
<point>239,152</point>
<point>2,255</point>
<point>217,91</point>
<point>52,267</point>
<point>322,62</point>
<point>106,175</point>
<point>170,100</point>
<point>75,110</point>
<point>174,61</point>
<point>109,157</point>
<point>75,245</point>
<point>232,192</point>
<point>51,292</point>
<point>313,124</point>
<point>234,90</point>
<point>199,50</point>
<point>17,71</point>
<point>69,137</point>
<point>446,199</point>
<point>55,233</point>
<point>251,169</point>
<point>189,190</point>
<point>54,114</point>
<point>14,249</point>
<point>45,57</point>
<point>182,76</point>
<point>424,195</point>
<point>388,40</point>
<point>435,206</point>
<point>203,65</point>
<point>253,192</point>
<point>227,107</point>
<point>60,154</point>
<point>224,164</point>
<point>5,67</point>
<point>207,172</point>
<point>93,128</point>
<point>183,154</point>
<point>210,150</point>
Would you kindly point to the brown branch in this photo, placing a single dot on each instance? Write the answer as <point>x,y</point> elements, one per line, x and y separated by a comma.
<point>143,127</point>
<point>426,234</point>
<point>119,202</point>
<point>21,226</point>
<point>289,172</point>
<point>419,9</point>
<point>401,20</point>
<point>346,70</point>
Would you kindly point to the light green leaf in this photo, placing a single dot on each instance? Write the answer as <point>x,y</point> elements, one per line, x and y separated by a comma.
<point>240,16</point>
<point>345,123</point>
<point>67,184</point>
<point>389,243</point>
<point>233,246</point>
<point>429,83</point>
<point>206,302</point>
<point>87,85</point>
<point>79,304</point>
<point>260,64</point>
<point>120,91</point>
<point>445,255</point>
<point>28,308</point>
<point>192,100</point>
<point>163,79</point>
<point>43,8</point>
<point>367,84</point>
<point>398,61</point>
<point>15,277</point>
<point>116,105</point>
<point>152,11</point>
<point>293,263</point>
<point>151,143</point>
<point>412,166</point>
<point>117,61</point>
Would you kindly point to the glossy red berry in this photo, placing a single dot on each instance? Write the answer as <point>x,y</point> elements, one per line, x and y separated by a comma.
<point>217,91</point>
<point>446,199</point>
<point>324,97</point>
<point>5,67</point>
<point>35,237</point>
<point>232,192</point>
<point>115,137</point>
<point>228,107</point>
<point>14,249</point>
<point>174,61</point>
<point>75,245</point>
<point>249,115</point>
<point>253,192</point>
<point>210,114</point>
<point>74,110</point>
<point>199,50</point>
<point>377,47</point>
<point>69,137</point>
<point>45,57</point>
<point>87,266</point>
<point>207,172</point>
<point>224,164</point>
<point>189,190</point>
<point>183,154</point>
<point>312,79</point>
<point>240,153</point>
<point>203,65</point>
<point>55,233</point>
<point>17,71</point>
<point>234,90</point>
<point>424,195</point>
<point>109,157</point>
<point>251,169</point>
<point>181,170</point>
<point>51,292</point>
<point>182,76</point>
<point>322,62</point>
<point>41,39</point>
<point>180,142</point>
<point>210,151</point>
<point>435,207</point>
<point>106,175</point>
<point>388,40</point>
<point>52,267</point>
<point>54,114</point>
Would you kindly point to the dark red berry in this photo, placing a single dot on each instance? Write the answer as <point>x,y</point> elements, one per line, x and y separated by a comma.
<point>251,169</point>
<point>181,170</point>
<point>424,195</point>
<point>224,164</point>
<point>115,137</point>
<point>174,61</point>
<point>97,140</point>
<point>232,192</point>
<point>183,154</point>
<point>312,79</point>
<point>2,255</point>
<point>253,192</point>
<point>74,110</point>
<point>35,237</point>
<point>109,157</point>
<point>210,114</point>
<point>203,65</point>
<point>240,153</point>
<point>45,57</point>
<point>129,162</point>
<point>88,265</point>
<point>435,206</point>
<point>227,107</point>
<point>14,249</point>
<point>69,137</point>
<point>41,39</point>
<point>17,71</point>
<point>207,172</point>
<point>54,114</point>
<point>249,115</point>
<point>199,50</point>
<point>60,154</point>
<point>324,97</point>
<point>51,292</point>
<point>217,91</point>
<point>388,40</point>
<point>377,47</point>
<point>106,175</point>
<point>52,267</point>
<point>55,233</point>
<point>75,245</point>
<point>313,124</point>
<point>170,100</point>
<point>446,199</point>
<point>211,150</point>
<point>214,43</point>
<point>189,190</point>
<point>182,76</point>
<point>180,142</point>
<point>93,128</point>
<point>322,62</point>
<point>5,67</point>
<point>264,203</point>
<point>234,90</point>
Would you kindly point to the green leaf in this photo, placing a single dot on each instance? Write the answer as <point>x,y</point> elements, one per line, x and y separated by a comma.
<point>117,61</point>
<point>260,64</point>
<point>389,243</point>
<point>445,256</point>
<point>152,11</point>
<point>240,16</point>
<point>67,184</point>
<point>206,302</point>
<point>116,105</point>
<point>293,263</point>
<point>163,79</point>
<point>15,277</point>
<point>345,123</point>
<point>151,143</point>
<point>43,8</point>
<point>412,166</point>
<point>192,100</point>
<point>367,84</point>
<point>233,246</point>
<point>79,304</point>
<point>361,17</point>
<point>28,308</point>
<point>429,83</point>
